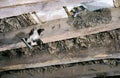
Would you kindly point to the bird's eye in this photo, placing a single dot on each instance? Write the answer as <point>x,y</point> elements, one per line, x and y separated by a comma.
<point>29,43</point>
<point>39,31</point>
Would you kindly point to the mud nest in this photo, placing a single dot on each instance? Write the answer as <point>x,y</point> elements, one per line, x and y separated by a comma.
<point>16,22</point>
<point>86,19</point>
<point>103,39</point>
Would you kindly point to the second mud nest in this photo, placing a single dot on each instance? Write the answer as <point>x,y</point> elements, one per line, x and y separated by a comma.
<point>86,19</point>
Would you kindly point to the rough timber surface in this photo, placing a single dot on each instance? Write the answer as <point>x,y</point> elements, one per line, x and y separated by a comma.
<point>46,59</point>
<point>58,30</point>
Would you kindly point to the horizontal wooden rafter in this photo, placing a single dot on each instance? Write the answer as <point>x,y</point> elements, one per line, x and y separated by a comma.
<point>13,8</point>
<point>41,61</point>
<point>10,3</point>
<point>77,72</point>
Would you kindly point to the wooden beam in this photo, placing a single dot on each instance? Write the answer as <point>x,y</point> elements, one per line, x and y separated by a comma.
<point>67,72</point>
<point>82,32</point>
<point>39,60</point>
<point>10,3</point>
<point>44,7</point>
<point>58,30</point>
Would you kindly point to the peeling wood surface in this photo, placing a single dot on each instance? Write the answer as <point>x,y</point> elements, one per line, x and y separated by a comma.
<point>46,59</point>
<point>58,30</point>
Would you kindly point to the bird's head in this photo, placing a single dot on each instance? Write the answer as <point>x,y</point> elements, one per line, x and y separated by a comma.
<point>40,30</point>
<point>81,7</point>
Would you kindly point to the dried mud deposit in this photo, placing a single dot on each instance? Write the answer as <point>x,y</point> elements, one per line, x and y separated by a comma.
<point>86,19</point>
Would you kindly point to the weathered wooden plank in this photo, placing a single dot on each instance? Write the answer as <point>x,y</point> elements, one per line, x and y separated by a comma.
<point>7,3</point>
<point>44,7</point>
<point>82,32</point>
<point>59,30</point>
<point>41,61</point>
<point>47,9</point>
<point>68,72</point>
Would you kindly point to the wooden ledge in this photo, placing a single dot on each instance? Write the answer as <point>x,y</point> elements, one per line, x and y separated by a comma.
<point>39,60</point>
